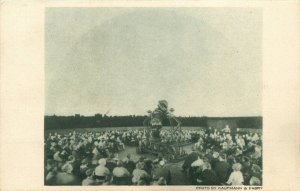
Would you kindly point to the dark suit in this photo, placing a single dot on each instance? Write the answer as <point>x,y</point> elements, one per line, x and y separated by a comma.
<point>222,170</point>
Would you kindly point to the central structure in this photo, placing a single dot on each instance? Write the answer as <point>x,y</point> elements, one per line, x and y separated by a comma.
<point>172,150</point>
<point>155,120</point>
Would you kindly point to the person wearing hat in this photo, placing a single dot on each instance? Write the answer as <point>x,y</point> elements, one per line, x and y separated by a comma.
<point>66,177</point>
<point>254,181</point>
<point>139,174</point>
<point>197,163</point>
<point>102,173</point>
<point>189,160</point>
<point>162,171</point>
<point>120,174</point>
<point>196,168</point>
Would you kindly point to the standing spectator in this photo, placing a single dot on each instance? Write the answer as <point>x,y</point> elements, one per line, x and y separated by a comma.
<point>227,129</point>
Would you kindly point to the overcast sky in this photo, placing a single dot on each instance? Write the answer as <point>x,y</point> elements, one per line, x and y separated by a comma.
<point>203,61</point>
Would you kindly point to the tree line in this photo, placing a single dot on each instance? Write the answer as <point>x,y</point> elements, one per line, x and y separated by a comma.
<point>99,120</point>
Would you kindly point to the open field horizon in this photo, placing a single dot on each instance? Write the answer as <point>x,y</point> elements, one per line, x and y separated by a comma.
<point>95,129</point>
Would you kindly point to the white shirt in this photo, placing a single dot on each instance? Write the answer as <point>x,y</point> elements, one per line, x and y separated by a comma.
<point>236,178</point>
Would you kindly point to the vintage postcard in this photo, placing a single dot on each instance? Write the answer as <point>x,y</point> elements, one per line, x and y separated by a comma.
<point>105,67</point>
<point>110,95</point>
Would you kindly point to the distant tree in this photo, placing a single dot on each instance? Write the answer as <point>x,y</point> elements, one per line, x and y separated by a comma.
<point>98,120</point>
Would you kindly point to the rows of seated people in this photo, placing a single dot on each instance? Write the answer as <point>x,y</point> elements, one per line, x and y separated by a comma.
<point>225,158</point>
<point>90,158</point>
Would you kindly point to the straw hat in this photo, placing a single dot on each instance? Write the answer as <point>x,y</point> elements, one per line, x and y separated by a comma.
<point>254,181</point>
<point>197,163</point>
<point>162,163</point>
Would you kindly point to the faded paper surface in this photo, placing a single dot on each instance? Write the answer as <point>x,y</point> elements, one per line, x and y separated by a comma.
<point>23,91</point>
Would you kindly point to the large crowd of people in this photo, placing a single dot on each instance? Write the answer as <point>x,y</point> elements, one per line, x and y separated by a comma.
<point>218,157</point>
<point>225,158</point>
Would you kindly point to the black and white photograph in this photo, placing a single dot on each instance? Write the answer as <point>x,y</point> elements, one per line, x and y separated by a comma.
<point>149,95</point>
<point>153,96</point>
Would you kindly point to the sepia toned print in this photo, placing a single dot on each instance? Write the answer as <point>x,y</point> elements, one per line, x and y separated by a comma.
<point>153,96</point>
